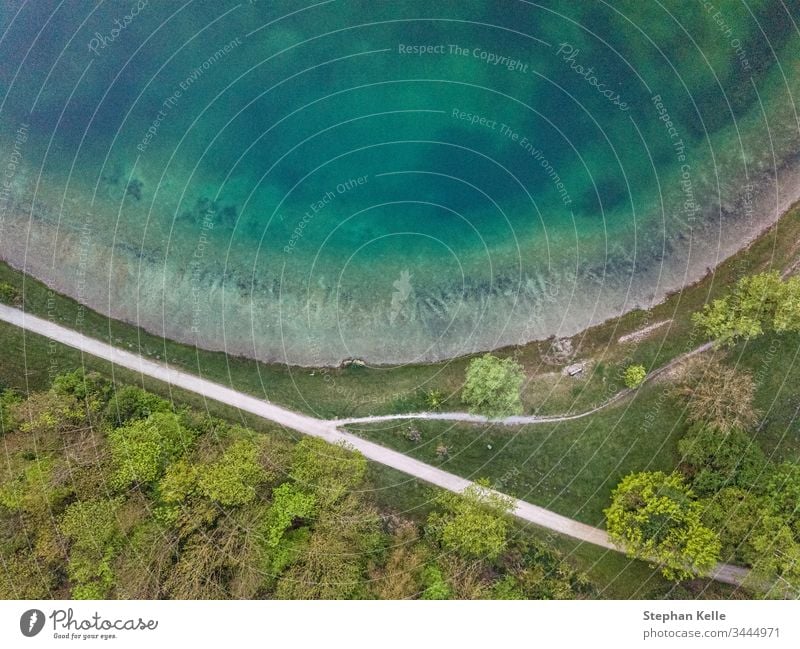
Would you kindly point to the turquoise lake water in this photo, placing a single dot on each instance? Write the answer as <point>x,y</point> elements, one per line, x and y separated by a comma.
<point>394,181</point>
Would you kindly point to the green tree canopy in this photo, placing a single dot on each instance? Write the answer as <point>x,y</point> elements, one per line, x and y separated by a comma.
<point>142,449</point>
<point>288,504</point>
<point>327,470</point>
<point>713,459</point>
<point>655,517</point>
<point>92,528</point>
<point>233,479</point>
<point>757,303</point>
<point>493,386</point>
<point>473,523</point>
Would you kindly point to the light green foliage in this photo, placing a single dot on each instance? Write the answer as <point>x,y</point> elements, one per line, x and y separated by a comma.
<point>142,449</point>
<point>507,588</point>
<point>436,586</point>
<point>32,491</point>
<point>289,549</point>
<point>714,459</point>
<point>233,479</point>
<point>178,483</point>
<point>493,385</point>
<point>326,470</point>
<point>473,523</point>
<point>10,294</point>
<point>634,376</point>
<point>776,556</point>
<point>434,399</point>
<point>288,504</point>
<point>758,303</point>
<point>787,314</point>
<point>655,517</point>
<point>93,531</point>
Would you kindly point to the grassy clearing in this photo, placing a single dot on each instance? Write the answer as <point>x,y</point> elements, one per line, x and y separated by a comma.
<point>569,467</point>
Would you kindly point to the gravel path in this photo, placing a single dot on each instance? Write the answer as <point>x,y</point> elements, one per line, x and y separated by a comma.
<point>329,429</point>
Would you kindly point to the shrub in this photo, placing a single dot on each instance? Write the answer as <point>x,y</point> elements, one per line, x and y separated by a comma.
<point>634,376</point>
<point>493,386</point>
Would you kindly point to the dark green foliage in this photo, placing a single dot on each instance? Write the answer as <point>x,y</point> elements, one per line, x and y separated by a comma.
<point>734,513</point>
<point>8,398</point>
<point>712,459</point>
<point>130,402</point>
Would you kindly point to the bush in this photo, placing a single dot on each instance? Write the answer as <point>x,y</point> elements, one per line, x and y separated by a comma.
<point>131,402</point>
<point>634,376</point>
<point>655,517</point>
<point>714,459</point>
<point>10,294</point>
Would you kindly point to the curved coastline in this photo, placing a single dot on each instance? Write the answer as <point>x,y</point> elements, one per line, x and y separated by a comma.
<point>28,261</point>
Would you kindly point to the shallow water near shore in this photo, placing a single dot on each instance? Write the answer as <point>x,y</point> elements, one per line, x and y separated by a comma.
<point>399,182</point>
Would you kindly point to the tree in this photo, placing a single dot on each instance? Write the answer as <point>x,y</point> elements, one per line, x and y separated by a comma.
<point>782,490</point>
<point>233,479</point>
<point>719,395</point>
<point>334,562</point>
<point>131,402</point>
<point>493,386</point>
<point>634,376</point>
<point>757,303</point>
<point>713,459</point>
<point>327,470</point>
<point>473,523</point>
<point>734,513</point>
<point>288,505</point>
<point>655,517</point>
<point>142,449</point>
<point>92,527</point>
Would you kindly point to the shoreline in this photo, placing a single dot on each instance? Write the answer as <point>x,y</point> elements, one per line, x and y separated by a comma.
<point>747,245</point>
<point>784,186</point>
